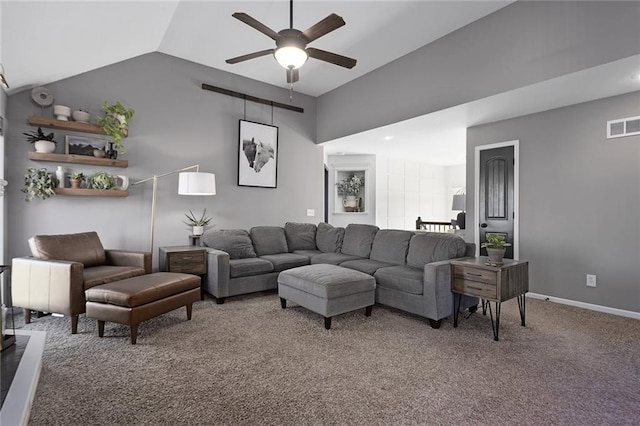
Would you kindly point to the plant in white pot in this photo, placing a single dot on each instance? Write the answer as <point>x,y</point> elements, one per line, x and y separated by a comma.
<point>197,222</point>
<point>350,187</point>
<point>42,143</point>
<point>496,247</point>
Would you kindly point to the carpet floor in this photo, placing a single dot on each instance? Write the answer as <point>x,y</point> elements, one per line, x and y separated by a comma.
<point>250,362</point>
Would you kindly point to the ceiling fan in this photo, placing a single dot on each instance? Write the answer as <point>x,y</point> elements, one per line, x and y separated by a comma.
<point>291,49</point>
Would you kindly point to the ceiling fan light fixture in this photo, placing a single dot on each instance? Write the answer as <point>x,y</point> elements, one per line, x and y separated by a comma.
<point>291,57</point>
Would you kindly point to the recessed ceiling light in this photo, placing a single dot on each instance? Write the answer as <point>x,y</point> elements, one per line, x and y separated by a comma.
<point>388,138</point>
<point>635,76</point>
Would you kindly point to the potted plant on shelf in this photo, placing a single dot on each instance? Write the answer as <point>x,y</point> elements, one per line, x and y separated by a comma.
<point>76,179</point>
<point>114,123</point>
<point>102,180</point>
<point>38,183</point>
<point>350,187</point>
<point>198,223</point>
<point>496,247</point>
<point>43,143</point>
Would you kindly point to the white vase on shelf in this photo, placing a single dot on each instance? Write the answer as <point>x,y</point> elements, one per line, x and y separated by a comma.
<point>60,176</point>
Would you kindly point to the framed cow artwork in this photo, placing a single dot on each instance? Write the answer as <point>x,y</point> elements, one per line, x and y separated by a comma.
<point>257,155</point>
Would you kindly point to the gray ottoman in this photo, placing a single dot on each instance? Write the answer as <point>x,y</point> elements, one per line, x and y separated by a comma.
<point>327,290</point>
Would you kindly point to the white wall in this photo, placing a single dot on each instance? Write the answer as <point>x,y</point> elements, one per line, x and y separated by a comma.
<point>408,189</point>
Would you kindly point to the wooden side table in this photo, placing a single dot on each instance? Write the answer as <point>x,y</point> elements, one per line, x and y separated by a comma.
<point>185,259</point>
<point>474,277</point>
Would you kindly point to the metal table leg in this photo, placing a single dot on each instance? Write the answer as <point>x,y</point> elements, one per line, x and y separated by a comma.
<point>495,326</point>
<point>521,307</point>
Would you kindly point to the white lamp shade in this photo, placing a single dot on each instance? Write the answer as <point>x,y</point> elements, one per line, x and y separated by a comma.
<point>459,202</point>
<point>291,56</point>
<point>196,183</point>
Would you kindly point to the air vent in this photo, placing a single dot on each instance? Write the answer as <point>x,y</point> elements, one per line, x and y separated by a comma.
<point>623,127</point>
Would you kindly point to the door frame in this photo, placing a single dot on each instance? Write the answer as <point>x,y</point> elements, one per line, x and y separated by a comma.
<point>516,194</point>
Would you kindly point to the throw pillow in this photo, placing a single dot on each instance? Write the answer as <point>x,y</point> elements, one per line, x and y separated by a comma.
<point>268,240</point>
<point>236,242</point>
<point>300,236</point>
<point>328,238</point>
<point>358,239</point>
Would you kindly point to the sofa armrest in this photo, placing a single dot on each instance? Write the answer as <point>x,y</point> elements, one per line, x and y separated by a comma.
<point>140,259</point>
<point>438,298</point>
<point>48,285</point>
<point>216,281</point>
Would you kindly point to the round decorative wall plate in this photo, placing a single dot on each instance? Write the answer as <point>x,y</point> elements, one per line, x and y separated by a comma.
<point>42,96</point>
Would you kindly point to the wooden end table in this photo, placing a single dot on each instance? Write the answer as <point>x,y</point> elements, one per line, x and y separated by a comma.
<point>475,277</point>
<point>184,259</point>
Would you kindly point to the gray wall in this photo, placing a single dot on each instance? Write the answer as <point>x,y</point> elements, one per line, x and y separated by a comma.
<point>579,199</point>
<point>176,124</point>
<point>524,43</point>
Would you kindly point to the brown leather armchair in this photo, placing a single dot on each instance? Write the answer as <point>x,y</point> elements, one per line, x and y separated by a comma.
<point>62,267</point>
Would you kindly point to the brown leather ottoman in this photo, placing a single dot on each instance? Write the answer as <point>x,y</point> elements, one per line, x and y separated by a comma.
<point>138,299</point>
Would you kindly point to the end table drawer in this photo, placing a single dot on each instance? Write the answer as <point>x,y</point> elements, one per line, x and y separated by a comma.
<point>188,262</point>
<point>474,274</point>
<point>474,288</point>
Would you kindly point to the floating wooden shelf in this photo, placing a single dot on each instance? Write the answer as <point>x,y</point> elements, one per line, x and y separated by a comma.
<point>77,159</point>
<point>84,192</point>
<point>73,126</point>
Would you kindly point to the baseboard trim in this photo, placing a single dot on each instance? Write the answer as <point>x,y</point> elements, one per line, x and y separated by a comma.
<point>590,306</point>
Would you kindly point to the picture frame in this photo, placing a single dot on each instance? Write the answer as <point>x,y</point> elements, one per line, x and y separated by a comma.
<point>82,145</point>
<point>257,155</point>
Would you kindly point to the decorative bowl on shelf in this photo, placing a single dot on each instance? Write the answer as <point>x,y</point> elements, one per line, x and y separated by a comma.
<point>62,112</point>
<point>81,116</point>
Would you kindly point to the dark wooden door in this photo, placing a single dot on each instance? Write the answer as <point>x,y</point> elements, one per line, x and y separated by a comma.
<point>496,195</point>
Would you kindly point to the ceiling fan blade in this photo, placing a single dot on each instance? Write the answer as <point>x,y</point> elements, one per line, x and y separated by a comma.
<point>249,56</point>
<point>293,76</point>
<point>254,23</point>
<point>328,24</point>
<point>333,58</point>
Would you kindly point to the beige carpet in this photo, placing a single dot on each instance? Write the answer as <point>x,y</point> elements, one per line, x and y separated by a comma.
<point>249,362</point>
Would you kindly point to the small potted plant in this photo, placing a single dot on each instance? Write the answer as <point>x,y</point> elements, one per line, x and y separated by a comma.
<point>350,187</point>
<point>496,247</point>
<point>114,123</point>
<point>76,179</point>
<point>101,180</point>
<point>198,223</point>
<point>43,143</point>
<point>38,183</point>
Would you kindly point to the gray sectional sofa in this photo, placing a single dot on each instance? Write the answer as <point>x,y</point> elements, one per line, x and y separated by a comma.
<point>411,269</point>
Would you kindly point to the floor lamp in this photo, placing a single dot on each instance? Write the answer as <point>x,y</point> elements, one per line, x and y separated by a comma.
<point>189,183</point>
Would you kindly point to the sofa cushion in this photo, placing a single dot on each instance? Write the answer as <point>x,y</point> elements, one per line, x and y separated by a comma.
<point>249,266</point>
<point>367,266</point>
<point>84,248</point>
<point>268,240</point>
<point>307,253</point>
<point>391,246</point>
<point>403,278</point>
<point>300,236</point>
<point>328,238</point>
<point>332,258</point>
<point>98,275</point>
<point>236,242</point>
<point>358,239</point>
<point>284,261</point>
<point>434,246</point>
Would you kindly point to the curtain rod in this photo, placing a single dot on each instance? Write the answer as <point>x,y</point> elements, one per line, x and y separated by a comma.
<point>246,97</point>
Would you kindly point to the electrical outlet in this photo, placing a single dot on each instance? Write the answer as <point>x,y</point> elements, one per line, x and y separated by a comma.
<point>311,212</point>
<point>591,280</point>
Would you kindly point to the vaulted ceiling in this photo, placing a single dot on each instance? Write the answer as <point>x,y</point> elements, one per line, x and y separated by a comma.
<point>45,41</point>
